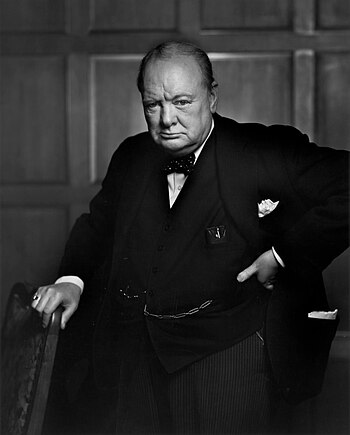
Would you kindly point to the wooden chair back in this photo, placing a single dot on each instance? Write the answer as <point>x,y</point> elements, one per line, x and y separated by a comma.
<point>27,359</point>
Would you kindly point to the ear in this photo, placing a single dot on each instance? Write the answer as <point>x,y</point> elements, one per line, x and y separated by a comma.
<point>213,97</point>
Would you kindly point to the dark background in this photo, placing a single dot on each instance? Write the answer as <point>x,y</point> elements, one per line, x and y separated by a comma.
<point>68,98</point>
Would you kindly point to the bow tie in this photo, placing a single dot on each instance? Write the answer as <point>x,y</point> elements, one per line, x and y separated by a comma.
<point>182,165</point>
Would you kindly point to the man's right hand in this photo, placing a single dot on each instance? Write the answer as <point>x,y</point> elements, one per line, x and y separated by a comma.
<point>51,296</point>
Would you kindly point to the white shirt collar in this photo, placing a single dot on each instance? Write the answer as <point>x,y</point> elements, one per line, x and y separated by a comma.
<point>176,180</point>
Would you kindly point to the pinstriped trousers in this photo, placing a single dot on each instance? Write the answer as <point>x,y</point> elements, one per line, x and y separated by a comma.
<point>228,392</point>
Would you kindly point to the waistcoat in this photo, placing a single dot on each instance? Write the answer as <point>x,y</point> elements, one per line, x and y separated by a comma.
<point>179,266</point>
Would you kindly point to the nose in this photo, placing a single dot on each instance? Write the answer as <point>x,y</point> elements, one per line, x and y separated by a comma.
<point>168,116</point>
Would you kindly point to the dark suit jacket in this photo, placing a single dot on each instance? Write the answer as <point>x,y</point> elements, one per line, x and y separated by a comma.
<point>309,228</point>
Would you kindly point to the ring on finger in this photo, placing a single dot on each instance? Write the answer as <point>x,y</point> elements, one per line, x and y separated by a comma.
<point>36,297</point>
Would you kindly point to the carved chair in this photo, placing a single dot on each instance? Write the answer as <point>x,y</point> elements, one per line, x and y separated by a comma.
<point>27,359</point>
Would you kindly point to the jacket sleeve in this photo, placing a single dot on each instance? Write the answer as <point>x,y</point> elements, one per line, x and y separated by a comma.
<point>92,234</point>
<point>320,179</point>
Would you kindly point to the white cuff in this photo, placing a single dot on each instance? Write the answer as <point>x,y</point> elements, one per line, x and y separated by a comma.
<point>73,280</point>
<point>278,258</point>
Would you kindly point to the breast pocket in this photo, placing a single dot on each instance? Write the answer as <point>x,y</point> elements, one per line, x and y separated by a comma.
<point>216,235</point>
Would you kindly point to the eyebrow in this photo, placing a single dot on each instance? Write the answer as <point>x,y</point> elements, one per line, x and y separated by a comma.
<point>186,95</point>
<point>183,95</point>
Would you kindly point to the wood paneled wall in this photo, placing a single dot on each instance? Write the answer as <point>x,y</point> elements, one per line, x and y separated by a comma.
<point>68,98</point>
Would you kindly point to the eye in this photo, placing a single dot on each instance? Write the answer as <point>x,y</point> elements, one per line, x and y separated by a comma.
<point>182,103</point>
<point>150,105</point>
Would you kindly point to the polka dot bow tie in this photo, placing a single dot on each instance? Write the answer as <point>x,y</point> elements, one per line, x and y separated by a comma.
<point>182,165</point>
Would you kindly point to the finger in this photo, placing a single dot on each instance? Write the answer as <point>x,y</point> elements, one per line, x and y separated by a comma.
<point>247,273</point>
<point>67,314</point>
<point>37,296</point>
<point>36,300</point>
<point>42,302</point>
<point>49,308</point>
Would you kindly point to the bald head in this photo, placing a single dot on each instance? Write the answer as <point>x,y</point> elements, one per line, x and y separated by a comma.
<point>173,49</point>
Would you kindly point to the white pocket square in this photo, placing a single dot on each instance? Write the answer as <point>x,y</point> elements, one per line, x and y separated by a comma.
<point>266,206</point>
<point>328,315</point>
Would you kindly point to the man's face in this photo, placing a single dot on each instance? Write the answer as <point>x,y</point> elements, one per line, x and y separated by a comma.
<point>178,107</point>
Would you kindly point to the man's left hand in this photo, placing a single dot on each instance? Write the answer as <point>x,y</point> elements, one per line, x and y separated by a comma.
<point>264,267</point>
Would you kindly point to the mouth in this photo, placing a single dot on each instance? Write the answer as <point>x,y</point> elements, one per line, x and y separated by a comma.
<point>169,136</point>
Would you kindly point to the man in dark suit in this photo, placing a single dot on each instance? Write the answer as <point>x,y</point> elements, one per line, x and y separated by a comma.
<point>211,237</point>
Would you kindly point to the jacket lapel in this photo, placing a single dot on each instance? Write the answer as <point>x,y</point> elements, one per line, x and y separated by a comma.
<point>136,181</point>
<point>237,175</point>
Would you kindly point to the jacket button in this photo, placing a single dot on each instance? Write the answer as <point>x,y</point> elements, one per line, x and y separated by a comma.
<point>155,269</point>
<point>160,247</point>
<point>150,293</point>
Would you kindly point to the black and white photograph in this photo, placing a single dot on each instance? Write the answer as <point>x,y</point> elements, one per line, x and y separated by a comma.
<point>175,217</point>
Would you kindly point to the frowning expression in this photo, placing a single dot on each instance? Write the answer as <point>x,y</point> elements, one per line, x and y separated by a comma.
<point>178,106</point>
